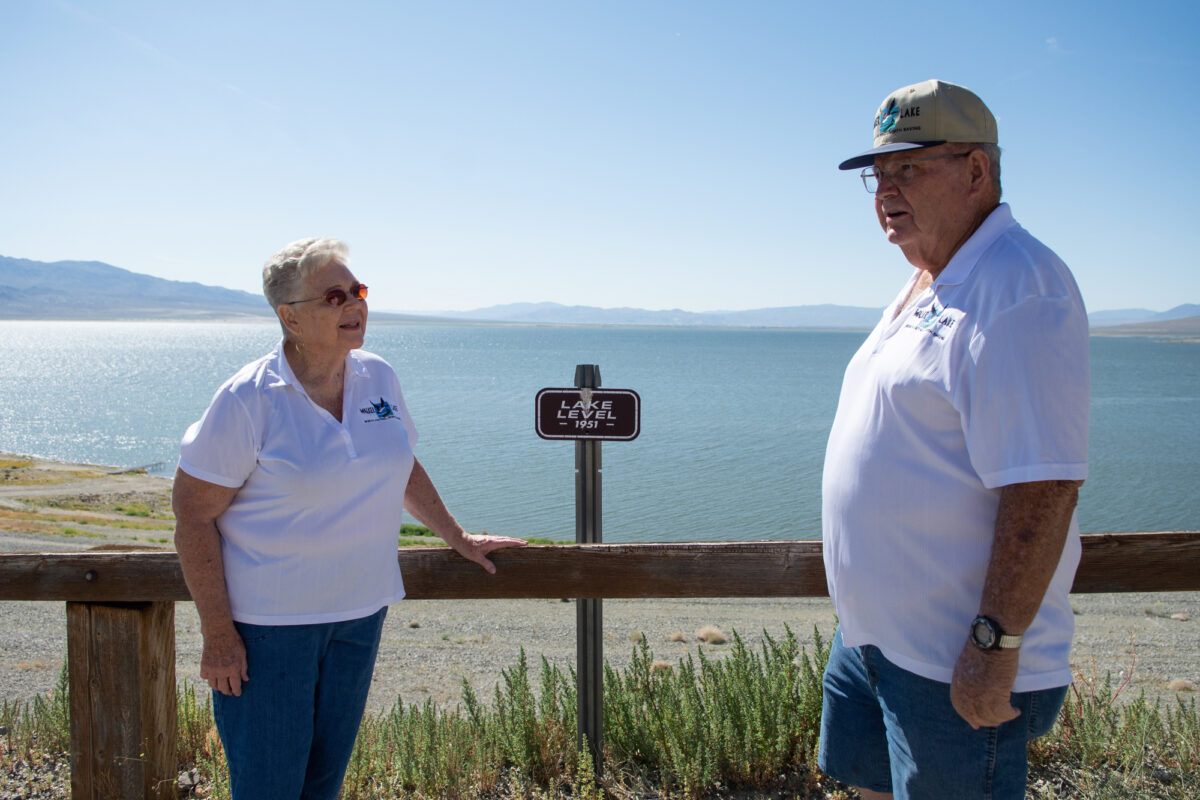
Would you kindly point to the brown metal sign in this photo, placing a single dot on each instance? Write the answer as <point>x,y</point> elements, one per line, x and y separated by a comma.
<point>604,414</point>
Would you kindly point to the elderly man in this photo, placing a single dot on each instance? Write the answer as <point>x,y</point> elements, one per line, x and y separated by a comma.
<point>951,476</point>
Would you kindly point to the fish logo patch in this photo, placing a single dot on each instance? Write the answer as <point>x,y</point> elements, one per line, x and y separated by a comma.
<point>887,122</point>
<point>378,411</point>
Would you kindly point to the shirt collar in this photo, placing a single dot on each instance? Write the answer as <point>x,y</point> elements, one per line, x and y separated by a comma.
<point>280,371</point>
<point>355,365</point>
<point>964,261</point>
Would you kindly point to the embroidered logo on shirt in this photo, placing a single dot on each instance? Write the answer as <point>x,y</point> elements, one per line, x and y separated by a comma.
<point>931,316</point>
<point>935,320</point>
<point>381,410</point>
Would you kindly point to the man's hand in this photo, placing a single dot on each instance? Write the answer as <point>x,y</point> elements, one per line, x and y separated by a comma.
<point>223,662</point>
<point>982,684</point>
<point>475,547</point>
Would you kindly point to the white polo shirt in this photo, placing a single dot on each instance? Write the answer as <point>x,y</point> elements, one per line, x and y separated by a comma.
<point>984,382</point>
<point>311,535</point>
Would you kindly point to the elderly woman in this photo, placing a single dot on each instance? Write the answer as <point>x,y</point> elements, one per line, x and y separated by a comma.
<point>288,497</point>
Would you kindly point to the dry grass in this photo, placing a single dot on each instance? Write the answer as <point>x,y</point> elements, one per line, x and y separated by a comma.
<point>15,463</point>
<point>711,634</point>
<point>153,505</point>
<point>16,522</point>
<point>22,472</point>
<point>55,524</point>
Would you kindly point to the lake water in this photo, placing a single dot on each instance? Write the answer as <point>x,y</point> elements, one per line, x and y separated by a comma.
<point>734,422</point>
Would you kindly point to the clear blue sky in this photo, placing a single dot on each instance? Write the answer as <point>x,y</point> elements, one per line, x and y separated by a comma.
<point>649,154</point>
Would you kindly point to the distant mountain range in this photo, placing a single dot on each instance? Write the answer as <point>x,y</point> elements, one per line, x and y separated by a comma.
<point>1125,316</point>
<point>1177,328</point>
<point>819,316</point>
<point>95,290</point>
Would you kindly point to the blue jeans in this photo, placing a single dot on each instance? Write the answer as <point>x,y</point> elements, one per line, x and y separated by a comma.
<point>290,734</point>
<point>888,730</point>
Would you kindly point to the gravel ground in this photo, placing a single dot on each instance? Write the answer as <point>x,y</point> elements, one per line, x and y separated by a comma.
<point>430,646</point>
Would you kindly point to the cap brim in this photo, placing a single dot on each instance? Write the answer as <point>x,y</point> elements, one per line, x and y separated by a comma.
<point>868,158</point>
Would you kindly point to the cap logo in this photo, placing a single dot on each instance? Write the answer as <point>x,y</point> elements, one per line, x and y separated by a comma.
<point>888,121</point>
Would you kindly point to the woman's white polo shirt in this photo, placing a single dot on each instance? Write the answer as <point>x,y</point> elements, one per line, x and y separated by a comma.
<point>311,535</point>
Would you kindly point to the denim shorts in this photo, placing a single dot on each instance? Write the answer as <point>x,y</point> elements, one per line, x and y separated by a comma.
<point>885,729</point>
<point>291,732</point>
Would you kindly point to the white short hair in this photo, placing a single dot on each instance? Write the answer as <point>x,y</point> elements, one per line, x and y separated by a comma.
<point>285,271</point>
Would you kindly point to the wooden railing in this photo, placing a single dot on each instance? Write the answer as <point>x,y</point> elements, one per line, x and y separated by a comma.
<point>121,633</point>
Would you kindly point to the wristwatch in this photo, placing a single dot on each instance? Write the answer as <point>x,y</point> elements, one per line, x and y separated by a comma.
<point>987,635</point>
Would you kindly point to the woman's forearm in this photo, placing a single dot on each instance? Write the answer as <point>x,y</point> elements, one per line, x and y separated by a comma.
<point>197,505</point>
<point>421,499</point>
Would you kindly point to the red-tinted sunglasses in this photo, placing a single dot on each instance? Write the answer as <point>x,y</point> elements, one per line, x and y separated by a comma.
<point>336,297</point>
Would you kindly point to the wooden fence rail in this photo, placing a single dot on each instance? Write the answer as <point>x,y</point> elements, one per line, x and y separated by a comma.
<point>120,616</point>
<point>1112,562</point>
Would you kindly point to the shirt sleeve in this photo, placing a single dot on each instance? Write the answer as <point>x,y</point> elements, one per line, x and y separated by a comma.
<point>1027,391</point>
<point>409,425</point>
<point>402,407</point>
<point>222,446</point>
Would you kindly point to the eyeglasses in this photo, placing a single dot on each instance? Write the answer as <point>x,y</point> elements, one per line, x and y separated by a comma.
<point>337,297</point>
<point>902,175</point>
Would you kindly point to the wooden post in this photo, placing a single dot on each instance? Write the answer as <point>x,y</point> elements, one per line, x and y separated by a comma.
<point>121,666</point>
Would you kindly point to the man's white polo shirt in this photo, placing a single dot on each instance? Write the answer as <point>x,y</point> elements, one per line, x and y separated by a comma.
<point>984,382</point>
<point>311,535</point>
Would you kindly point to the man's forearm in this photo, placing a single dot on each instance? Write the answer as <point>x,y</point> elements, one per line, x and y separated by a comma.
<point>1031,529</point>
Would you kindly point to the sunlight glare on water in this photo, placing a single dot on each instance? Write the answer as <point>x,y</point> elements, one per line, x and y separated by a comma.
<point>734,422</point>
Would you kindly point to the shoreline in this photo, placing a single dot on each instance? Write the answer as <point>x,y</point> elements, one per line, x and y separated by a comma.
<point>1185,333</point>
<point>430,647</point>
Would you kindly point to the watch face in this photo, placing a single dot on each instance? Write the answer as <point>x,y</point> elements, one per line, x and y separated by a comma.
<point>983,634</point>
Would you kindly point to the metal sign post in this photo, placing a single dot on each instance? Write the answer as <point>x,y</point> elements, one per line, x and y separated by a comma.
<point>589,415</point>
<point>589,613</point>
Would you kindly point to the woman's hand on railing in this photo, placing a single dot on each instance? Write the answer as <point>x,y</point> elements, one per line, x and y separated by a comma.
<point>476,546</point>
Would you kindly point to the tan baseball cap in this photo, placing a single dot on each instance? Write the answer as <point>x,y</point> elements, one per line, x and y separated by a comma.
<point>924,115</point>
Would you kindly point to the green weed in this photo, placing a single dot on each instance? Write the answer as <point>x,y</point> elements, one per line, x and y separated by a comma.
<point>68,531</point>
<point>745,724</point>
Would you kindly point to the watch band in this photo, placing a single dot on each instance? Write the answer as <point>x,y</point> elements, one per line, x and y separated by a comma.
<point>1009,641</point>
